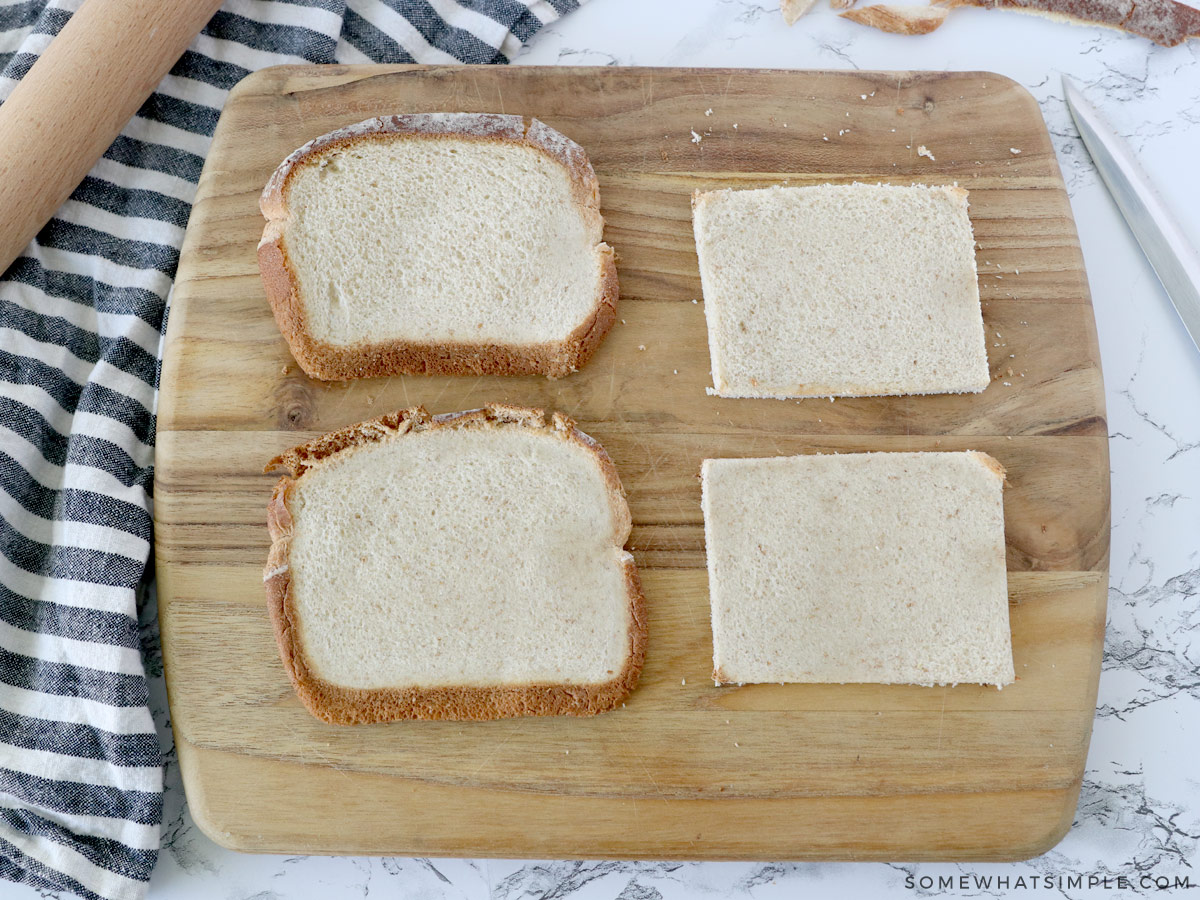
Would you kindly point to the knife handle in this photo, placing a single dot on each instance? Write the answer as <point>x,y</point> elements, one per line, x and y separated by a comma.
<point>74,101</point>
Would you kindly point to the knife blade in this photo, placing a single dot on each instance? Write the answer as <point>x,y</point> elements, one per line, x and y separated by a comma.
<point>1159,234</point>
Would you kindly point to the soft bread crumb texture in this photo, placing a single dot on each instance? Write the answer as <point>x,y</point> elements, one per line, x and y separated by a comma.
<point>438,239</point>
<point>840,290</point>
<point>460,557</point>
<point>864,567</point>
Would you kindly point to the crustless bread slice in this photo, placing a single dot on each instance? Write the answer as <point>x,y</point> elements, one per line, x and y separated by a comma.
<point>465,566</point>
<point>858,567</point>
<point>840,290</point>
<point>439,243</point>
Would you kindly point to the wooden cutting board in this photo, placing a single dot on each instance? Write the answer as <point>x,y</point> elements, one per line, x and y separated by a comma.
<point>686,770</point>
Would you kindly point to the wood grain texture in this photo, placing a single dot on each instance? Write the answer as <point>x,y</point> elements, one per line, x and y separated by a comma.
<point>685,769</point>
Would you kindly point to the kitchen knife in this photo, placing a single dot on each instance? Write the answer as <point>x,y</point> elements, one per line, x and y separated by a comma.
<point>1173,257</point>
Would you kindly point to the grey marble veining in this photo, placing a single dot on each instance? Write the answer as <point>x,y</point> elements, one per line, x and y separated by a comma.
<point>1139,812</point>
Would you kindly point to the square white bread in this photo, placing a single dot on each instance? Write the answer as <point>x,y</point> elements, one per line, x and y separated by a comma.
<point>840,290</point>
<point>858,567</point>
<point>463,566</point>
<point>438,243</point>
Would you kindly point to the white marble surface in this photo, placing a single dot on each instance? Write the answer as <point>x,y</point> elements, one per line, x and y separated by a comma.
<point>1140,808</point>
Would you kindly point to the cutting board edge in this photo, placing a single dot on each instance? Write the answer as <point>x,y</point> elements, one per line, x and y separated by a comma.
<point>191,752</point>
<point>1056,812</point>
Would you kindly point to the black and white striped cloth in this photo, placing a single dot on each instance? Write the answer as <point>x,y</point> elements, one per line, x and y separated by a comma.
<point>81,318</point>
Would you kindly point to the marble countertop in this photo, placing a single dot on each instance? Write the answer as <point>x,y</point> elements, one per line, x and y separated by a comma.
<point>1140,807</point>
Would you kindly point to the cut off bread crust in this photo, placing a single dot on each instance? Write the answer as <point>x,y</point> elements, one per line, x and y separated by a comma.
<point>333,362</point>
<point>1165,22</point>
<point>351,706</point>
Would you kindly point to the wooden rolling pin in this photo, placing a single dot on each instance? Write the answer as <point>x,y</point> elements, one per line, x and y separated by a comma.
<point>78,96</point>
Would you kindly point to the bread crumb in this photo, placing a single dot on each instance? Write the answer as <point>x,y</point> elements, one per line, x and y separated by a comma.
<point>735,126</point>
<point>922,150</point>
<point>622,321</point>
<point>863,96</point>
<point>284,370</point>
<point>641,346</point>
<point>566,752</point>
<point>708,112</point>
<point>726,721</point>
<point>683,681</point>
<point>676,371</point>
<point>1008,384</point>
<point>1013,150</point>
<point>825,137</point>
<point>736,744</point>
<point>694,300</point>
<point>696,138</point>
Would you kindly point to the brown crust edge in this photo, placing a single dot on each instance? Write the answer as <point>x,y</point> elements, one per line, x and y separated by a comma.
<point>329,362</point>
<point>354,706</point>
<point>896,19</point>
<point>1166,24</point>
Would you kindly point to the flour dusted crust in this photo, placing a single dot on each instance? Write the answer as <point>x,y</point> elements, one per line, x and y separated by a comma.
<point>353,706</point>
<point>1165,22</point>
<point>330,362</point>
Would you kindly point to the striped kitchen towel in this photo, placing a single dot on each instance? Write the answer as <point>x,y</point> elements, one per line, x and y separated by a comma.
<point>81,318</point>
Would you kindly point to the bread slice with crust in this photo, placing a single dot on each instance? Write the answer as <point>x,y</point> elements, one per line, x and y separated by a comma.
<point>462,566</point>
<point>440,244</point>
